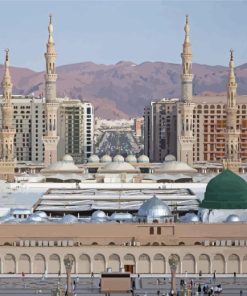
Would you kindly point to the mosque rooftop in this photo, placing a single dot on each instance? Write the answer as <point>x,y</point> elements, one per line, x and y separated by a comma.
<point>84,201</point>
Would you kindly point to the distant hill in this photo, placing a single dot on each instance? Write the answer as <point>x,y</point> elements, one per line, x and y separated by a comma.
<point>122,90</point>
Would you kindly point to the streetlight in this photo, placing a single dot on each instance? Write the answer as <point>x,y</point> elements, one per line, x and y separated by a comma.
<point>68,262</point>
<point>173,263</point>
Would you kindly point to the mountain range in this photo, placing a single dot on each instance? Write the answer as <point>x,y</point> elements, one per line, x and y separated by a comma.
<point>122,90</point>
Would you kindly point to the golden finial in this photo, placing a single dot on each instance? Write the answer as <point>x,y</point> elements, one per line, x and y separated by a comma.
<point>6,54</point>
<point>187,29</point>
<point>232,51</point>
<point>50,17</point>
<point>231,67</point>
<point>50,29</point>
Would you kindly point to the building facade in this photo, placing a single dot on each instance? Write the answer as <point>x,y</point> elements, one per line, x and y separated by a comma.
<point>76,130</point>
<point>160,122</point>
<point>137,248</point>
<point>207,129</point>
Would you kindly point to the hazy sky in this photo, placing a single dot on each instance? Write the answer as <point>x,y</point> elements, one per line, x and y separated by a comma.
<point>109,31</point>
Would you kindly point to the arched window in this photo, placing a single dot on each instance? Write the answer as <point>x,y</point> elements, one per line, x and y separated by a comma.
<point>84,265</point>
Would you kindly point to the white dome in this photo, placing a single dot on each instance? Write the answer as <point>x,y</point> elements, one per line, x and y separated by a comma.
<point>41,214</point>
<point>118,167</point>
<point>131,158</point>
<point>7,218</point>
<point>35,218</point>
<point>170,157</point>
<point>118,158</point>
<point>174,166</point>
<point>121,217</point>
<point>189,217</point>
<point>232,218</point>
<point>93,158</point>
<point>98,216</point>
<point>63,165</point>
<point>68,158</point>
<point>106,158</point>
<point>143,158</point>
<point>154,208</point>
<point>69,219</point>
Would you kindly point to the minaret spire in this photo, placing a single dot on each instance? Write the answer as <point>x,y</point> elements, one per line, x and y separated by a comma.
<point>187,30</point>
<point>232,132</point>
<point>51,137</point>
<point>50,29</point>
<point>232,85</point>
<point>186,55</point>
<point>6,83</point>
<point>50,58</point>
<point>231,95</point>
<point>7,161</point>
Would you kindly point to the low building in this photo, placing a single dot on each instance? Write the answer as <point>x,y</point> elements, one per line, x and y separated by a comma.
<point>138,248</point>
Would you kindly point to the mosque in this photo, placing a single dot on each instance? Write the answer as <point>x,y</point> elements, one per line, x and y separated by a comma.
<point>134,236</point>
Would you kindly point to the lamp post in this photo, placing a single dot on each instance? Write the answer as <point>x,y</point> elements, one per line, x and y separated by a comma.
<point>173,263</point>
<point>68,262</point>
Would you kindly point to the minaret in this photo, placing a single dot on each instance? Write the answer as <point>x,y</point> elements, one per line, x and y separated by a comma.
<point>232,160</point>
<point>7,160</point>
<point>51,137</point>
<point>185,106</point>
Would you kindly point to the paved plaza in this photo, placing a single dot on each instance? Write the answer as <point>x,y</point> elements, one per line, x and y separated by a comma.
<point>146,285</point>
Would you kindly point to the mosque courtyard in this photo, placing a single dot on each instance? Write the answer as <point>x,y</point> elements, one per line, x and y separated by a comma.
<point>148,285</point>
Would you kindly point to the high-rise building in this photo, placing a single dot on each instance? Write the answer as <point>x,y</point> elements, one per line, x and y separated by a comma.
<point>29,122</point>
<point>76,130</point>
<point>160,122</point>
<point>208,129</point>
<point>7,159</point>
<point>138,126</point>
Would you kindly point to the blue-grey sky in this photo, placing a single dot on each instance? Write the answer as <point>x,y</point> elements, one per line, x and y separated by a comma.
<point>109,31</point>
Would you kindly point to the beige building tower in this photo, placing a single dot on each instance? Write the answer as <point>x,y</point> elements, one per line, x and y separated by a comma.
<point>186,107</point>
<point>51,138</point>
<point>232,160</point>
<point>7,160</point>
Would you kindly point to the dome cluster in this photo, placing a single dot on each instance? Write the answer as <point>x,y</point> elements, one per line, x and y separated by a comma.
<point>118,158</point>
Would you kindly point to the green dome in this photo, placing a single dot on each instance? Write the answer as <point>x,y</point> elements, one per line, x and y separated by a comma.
<point>226,191</point>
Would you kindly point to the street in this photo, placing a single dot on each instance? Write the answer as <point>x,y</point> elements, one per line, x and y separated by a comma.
<point>149,286</point>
